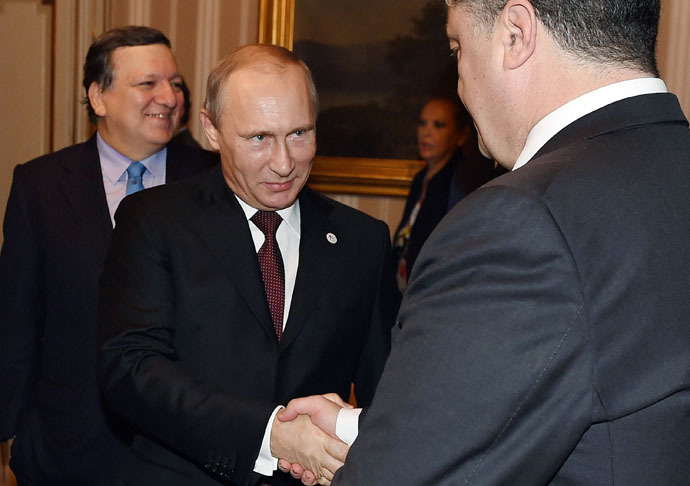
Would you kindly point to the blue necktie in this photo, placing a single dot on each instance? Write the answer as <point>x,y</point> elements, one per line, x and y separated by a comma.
<point>134,177</point>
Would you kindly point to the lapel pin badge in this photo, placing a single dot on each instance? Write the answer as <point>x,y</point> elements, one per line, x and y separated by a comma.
<point>332,239</point>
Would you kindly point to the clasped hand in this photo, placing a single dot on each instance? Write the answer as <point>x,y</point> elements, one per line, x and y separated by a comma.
<point>304,438</point>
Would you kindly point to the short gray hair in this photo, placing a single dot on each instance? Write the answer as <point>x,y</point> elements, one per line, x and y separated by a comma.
<point>621,32</point>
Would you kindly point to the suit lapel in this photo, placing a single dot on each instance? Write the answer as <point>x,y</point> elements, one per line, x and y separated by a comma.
<point>223,228</point>
<point>316,259</point>
<point>82,186</point>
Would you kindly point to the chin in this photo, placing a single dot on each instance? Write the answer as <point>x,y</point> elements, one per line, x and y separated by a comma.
<point>281,202</point>
<point>161,139</point>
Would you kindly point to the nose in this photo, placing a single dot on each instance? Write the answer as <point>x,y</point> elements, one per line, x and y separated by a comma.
<point>166,95</point>
<point>281,161</point>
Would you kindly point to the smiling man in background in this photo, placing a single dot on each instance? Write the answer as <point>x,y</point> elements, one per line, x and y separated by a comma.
<point>56,234</point>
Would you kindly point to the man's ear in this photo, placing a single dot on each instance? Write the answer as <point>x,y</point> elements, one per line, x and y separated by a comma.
<point>518,22</point>
<point>209,129</point>
<point>95,95</point>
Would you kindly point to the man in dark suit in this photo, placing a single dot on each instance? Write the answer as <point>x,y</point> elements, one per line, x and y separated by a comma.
<point>56,234</point>
<point>545,334</point>
<point>203,339</point>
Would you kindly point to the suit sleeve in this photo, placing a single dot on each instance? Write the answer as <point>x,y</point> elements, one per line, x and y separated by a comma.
<point>141,376</point>
<point>377,347</point>
<point>488,381</point>
<point>20,306</point>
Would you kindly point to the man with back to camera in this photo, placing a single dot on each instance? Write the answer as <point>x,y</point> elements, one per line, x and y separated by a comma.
<point>544,336</point>
<point>56,234</point>
<point>210,318</point>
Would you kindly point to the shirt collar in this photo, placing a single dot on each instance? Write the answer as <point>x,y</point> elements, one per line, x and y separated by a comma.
<point>290,215</point>
<point>575,109</point>
<point>114,164</point>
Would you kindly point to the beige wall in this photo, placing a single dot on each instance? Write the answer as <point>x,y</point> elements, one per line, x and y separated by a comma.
<point>43,48</point>
<point>673,49</point>
<point>26,86</point>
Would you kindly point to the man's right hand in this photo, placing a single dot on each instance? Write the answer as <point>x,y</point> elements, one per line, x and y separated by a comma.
<point>299,441</point>
<point>323,411</point>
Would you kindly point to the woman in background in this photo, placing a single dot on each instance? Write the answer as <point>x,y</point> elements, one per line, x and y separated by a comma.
<point>444,127</point>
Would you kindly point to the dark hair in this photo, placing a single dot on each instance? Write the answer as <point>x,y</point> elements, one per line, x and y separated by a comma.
<point>460,115</point>
<point>187,103</point>
<point>253,55</point>
<point>622,32</point>
<point>97,67</point>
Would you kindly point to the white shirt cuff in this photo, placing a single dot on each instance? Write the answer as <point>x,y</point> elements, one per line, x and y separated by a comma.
<point>347,424</point>
<point>265,464</point>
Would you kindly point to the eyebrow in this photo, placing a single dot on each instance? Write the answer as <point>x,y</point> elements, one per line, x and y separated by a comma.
<point>151,75</point>
<point>305,128</point>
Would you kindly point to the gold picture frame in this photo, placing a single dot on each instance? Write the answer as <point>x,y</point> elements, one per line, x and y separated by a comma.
<point>343,175</point>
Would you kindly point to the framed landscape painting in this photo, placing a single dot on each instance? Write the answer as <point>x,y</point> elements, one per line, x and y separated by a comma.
<point>373,64</point>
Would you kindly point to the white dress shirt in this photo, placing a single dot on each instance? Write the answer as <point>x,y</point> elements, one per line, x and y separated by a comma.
<point>288,237</point>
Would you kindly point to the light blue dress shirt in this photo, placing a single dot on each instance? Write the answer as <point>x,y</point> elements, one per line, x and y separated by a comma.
<point>114,169</point>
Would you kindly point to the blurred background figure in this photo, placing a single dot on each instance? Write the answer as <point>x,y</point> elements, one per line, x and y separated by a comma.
<point>183,135</point>
<point>446,141</point>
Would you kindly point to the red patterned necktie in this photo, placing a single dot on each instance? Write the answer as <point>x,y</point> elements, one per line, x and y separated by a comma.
<point>271,263</point>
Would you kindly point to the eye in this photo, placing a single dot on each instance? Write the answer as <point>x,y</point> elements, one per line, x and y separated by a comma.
<point>259,138</point>
<point>177,85</point>
<point>299,133</point>
<point>146,84</point>
<point>454,51</point>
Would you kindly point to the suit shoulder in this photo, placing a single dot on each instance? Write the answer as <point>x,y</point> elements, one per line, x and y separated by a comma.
<point>50,161</point>
<point>196,158</point>
<point>343,213</point>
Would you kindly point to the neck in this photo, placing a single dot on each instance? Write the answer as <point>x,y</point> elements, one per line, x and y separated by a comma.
<point>433,167</point>
<point>570,78</point>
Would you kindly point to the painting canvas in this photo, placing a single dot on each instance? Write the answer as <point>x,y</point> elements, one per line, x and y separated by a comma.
<point>373,64</point>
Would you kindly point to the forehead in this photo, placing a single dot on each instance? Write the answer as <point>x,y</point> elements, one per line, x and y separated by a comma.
<point>149,59</point>
<point>461,24</point>
<point>438,109</point>
<point>266,92</point>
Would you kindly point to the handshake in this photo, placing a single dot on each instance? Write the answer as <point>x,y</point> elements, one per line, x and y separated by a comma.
<point>303,437</point>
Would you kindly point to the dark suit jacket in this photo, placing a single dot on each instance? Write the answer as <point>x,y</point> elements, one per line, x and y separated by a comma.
<point>56,234</point>
<point>190,353</point>
<point>545,334</point>
<point>458,178</point>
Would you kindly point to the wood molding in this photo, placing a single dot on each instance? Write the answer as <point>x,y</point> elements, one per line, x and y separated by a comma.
<point>349,175</point>
<point>276,22</point>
